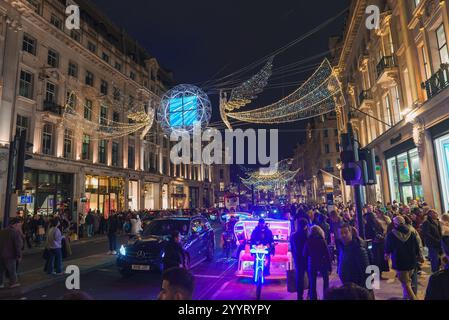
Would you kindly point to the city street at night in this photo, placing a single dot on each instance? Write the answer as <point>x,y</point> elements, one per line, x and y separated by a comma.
<point>262,154</point>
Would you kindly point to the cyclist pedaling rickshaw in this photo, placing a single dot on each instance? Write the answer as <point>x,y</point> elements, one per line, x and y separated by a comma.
<point>262,237</point>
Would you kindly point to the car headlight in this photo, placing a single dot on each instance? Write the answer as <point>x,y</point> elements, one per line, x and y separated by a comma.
<point>122,250</point>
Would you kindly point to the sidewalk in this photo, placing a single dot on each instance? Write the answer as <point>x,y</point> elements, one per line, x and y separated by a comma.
<point>95,239</point>
<point>37,279</point>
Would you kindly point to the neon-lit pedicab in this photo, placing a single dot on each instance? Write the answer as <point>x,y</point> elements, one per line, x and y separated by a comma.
<point>281,262</point>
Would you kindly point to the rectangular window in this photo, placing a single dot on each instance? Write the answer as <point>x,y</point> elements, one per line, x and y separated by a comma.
<point>47,139</point>
<point>131,158</point>
<point>118,66</point>
<point>91,47</point>
<point>72,100</point>
<point>104,87</point>
<point>75,35</point>
<point>50,93</point>
<point>326,133</point>
<point>337,147</point>
<point>103,115</point>
<point>26,84</point>
<point>116,116</point>
<point>73,69</point>
<point>68,143</point>
<point>102,146</point>
<point>86,147</point>
<point>29,44</point>
<point>426,63</point>
<point>88,110</point>
<point>327,149</point>
<point>105,57</point>
<point>398,113</point>
<point>442,44</point>
<point>89,78</point>
<point>132,75</point>
<point>117,94</point>
<point>115,153</point>
<point>57,22</point>
<point>389,114</point>
<point>22,126</point>
<point>53,58</point>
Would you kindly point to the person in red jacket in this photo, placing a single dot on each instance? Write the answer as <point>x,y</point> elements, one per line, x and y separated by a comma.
<point>318,260</point>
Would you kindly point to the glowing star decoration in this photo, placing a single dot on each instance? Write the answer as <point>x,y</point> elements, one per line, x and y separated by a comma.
<point>317,96</point>
<point>182,107</point>
<point>271,179</point>
<point>139,113</point>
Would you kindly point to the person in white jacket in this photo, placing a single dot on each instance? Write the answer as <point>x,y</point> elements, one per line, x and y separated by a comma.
<point>136,225</point>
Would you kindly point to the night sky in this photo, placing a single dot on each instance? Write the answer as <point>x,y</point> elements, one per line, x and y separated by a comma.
<point>200,40</point>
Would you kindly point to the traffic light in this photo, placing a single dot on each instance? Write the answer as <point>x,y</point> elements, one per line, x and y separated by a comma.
<point>22,157</point>
<point>369,162</point>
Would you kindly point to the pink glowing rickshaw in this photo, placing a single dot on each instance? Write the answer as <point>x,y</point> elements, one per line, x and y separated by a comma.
<point>281,262</point>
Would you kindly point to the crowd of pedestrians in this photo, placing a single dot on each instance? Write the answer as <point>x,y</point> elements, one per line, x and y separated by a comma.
<point>397,236</point>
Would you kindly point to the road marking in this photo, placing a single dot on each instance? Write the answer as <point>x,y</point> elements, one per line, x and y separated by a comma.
<point>220,277</point>
<point>220,290</point>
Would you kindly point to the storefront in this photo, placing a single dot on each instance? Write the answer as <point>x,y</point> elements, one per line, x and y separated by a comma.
<point>178,197</point>
<point>104,194</point>
<point>133,195</point>
<point>46,192</point>
<point>151,195</point>
<point>165,197</point>
<point>404,173</point>
<point>194,197</point>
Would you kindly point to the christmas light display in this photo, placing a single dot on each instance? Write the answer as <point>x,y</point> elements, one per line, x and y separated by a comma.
<point>139,113</point>
<point>182,107</point>
<point>273,179</point>
<point>317,96</point>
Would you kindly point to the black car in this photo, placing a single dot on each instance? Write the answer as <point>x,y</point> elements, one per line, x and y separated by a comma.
<point>145,253</point>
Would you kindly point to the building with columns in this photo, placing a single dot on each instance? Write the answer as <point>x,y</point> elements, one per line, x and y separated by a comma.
<point>41,64</point>
<point>396,80</point>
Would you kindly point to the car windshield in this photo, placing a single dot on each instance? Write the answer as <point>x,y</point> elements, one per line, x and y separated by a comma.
<point>166,227</point>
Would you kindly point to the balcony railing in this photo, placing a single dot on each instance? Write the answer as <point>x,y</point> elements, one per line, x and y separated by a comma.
<point>437,82</point>
<point>50,106</point>
<point>385,63</point>
<point>365,95</point>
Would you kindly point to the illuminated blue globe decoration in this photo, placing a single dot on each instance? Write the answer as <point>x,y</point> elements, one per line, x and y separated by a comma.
<point>182,107</point>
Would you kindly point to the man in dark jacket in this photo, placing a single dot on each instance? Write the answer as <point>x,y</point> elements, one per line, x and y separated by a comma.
<point>112,228</point>
<point>353,257</point>
<point>438,288</point>
<point>298,240</point>
<point>174,254</point>
<point>11,242</point>
<point>432,234</point>
<point>90,220</point>
<point>403,247</point>
<point>262,235</point>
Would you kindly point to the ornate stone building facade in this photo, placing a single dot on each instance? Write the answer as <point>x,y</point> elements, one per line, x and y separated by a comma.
<point>396,79</point>
<point>41,62</point>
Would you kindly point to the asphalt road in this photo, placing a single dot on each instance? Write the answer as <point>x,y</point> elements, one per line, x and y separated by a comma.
<point>108,284</point>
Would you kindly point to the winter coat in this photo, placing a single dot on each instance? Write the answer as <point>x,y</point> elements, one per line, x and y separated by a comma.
<point>54,239</point>
<point>112,224</point>
<point>174,255</point>
<point>136,226</point>
<point>11,243</point>
<point>317,254</point>
<point>353,262</point>
<point>438,288</point>
<point>298,241</point>
<point>403,246</point>
<point>431,231</point>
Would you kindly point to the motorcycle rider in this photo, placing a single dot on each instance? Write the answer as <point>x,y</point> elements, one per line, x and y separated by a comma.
<point>262,235</point>
<point>228,233</point>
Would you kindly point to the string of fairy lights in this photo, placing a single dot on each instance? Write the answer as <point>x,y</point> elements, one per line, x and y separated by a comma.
<point>274,179</point>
